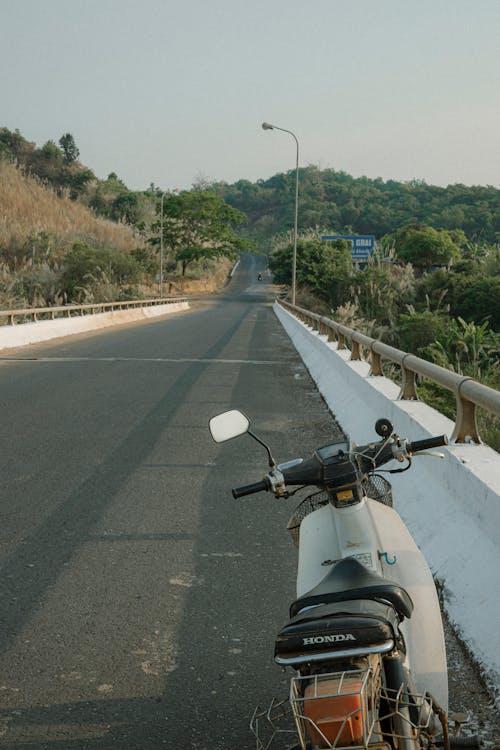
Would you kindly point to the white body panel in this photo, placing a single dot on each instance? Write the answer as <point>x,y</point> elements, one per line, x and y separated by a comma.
<point>367,531</point>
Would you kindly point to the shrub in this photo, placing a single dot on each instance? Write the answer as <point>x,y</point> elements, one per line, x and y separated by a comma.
<point>419,329</point>
<point>86,269</point>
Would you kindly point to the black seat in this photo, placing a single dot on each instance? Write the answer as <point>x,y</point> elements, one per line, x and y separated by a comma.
<point>341,626</point>
<point>348,580</point>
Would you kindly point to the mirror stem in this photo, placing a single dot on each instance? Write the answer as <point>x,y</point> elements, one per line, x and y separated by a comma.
<point>272,463</point>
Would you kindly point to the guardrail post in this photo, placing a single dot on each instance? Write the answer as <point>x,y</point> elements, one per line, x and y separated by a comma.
<point>408,389</point>
<point>331,333</point>
<point>375,362</point>
<point>340,341</point>
<point>465,430</point>
<point>355,350</point>
<point>12,321</point>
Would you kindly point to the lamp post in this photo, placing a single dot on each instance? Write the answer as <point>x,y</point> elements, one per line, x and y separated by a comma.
<point>160,286</point>
<point>267,126</point>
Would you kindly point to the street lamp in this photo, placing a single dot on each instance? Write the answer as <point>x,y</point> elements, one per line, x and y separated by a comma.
<point>267,126</point>
<point>160,289</point>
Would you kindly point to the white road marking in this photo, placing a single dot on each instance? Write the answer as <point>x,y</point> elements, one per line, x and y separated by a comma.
<point>181,360</point>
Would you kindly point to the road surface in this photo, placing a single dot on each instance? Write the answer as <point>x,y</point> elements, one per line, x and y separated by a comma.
<point>139,600</point>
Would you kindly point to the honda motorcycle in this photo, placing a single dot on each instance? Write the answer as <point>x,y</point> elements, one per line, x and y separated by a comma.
<point>365,636</point>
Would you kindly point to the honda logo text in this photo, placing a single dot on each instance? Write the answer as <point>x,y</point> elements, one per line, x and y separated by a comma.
<point>328,639</point>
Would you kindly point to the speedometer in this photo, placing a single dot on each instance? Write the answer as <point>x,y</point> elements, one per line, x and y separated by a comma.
<point>329,451</point>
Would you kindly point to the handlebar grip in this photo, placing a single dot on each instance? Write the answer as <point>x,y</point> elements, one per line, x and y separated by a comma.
<point>250,489</point>
<point>423,445</point>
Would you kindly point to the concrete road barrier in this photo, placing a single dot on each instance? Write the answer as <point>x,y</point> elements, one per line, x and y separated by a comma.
<point>44,330</point>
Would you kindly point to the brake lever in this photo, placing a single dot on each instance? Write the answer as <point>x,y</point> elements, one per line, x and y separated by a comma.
<point>429,453</point>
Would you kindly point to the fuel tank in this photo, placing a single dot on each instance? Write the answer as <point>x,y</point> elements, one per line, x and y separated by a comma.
<point>375,535</point>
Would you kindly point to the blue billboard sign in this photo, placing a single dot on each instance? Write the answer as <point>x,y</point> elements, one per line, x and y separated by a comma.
<point>363,245</point>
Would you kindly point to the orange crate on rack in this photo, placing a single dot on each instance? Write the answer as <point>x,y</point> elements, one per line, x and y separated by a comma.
<point>334,707</point>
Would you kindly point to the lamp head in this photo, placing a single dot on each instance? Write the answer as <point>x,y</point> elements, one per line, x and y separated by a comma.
<point>266,126</point>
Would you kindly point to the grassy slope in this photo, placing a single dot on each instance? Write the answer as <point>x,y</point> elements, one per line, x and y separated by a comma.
<point>28,208</point>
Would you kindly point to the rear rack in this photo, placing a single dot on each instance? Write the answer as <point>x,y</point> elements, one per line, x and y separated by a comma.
<point>367,710</point>
<point>337,709</point>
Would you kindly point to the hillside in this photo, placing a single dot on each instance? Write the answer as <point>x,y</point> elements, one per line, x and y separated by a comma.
<point>33,215</point>
<point>335,201</point>
<point>39,229</point>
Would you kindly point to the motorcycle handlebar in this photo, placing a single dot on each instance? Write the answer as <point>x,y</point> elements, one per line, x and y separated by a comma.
<point>250,489</point>
<point>423,445</point>
<point>310,472</point>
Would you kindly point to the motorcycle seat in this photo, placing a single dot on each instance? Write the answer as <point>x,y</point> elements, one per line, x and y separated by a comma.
<point>365,625</point>
<point>349,580</point>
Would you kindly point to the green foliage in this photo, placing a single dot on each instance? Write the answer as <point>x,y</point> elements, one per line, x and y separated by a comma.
<point>145,260</point>
<point>112,199</point>
<point>438,397</point>
<point>471,288</point>
<point>466,348</point>
<point>334,200</point>
<point>420,329</point>
<point>198,225</point>
<point>69,149</point>
<point>12,144</point>
<point>126,207</point>
<point>51,152</point>
<point>424,246</point>
<point>55,166</point>
<point>323,267</point>
<point>88,271</point>
<point>480,300</point>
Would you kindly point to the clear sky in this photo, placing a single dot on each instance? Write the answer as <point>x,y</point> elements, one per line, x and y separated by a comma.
<point>170,91</point>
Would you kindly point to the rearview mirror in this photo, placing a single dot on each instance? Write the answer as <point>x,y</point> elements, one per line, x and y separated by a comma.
<point>228,425</point>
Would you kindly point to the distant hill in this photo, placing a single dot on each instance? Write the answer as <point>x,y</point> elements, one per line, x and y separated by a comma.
<point>331,200</point>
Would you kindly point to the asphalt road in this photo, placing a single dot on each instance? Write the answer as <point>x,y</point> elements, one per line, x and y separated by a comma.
<point>139,600</point>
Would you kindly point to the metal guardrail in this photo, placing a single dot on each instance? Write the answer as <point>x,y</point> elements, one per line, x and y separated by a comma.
<point>468,392</point>
<point>69,311</point>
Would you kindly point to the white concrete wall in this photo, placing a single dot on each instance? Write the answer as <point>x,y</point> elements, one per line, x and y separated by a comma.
<point>43,330</point>
<point>451,507</point>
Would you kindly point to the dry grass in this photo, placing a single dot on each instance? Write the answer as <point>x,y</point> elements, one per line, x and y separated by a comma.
<point>28,209</point>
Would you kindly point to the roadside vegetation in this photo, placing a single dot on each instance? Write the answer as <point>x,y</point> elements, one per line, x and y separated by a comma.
<point>448,314</point>
<point>68,237</point>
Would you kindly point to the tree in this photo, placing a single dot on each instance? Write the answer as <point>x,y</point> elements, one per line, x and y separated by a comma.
<point>197,225</point>
<point>424,246</point>
<point>126,207</point>
<point>51,153</point>
<point>69,149</point>
<point>324,267</point>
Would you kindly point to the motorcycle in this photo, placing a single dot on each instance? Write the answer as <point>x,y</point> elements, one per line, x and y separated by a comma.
<point>365,637</point>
